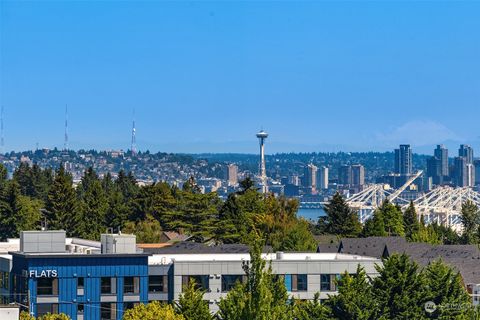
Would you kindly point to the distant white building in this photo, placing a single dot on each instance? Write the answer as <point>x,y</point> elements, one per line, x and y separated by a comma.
<point>322,178</point>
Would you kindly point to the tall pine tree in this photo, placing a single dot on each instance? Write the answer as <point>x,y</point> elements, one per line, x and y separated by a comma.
<point>62,204</point>
<point>341,220</point>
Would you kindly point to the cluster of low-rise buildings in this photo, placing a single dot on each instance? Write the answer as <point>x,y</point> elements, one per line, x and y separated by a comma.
<point>44,271</point>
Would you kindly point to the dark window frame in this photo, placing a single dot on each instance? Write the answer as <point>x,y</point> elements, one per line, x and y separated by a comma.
<point>157,284</point>
<point>132,288</point>
<point>47,289</point>
<point>229,285</point>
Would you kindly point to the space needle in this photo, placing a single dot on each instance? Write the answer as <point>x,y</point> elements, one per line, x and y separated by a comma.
<point>262,135</point>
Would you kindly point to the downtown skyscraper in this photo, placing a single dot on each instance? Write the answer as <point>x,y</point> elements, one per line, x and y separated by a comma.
<point>466,151</point>
<point>403,160</point>
<point>441,153</point>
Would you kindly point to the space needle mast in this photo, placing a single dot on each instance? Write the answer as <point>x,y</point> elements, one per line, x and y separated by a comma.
<point>262,135</point>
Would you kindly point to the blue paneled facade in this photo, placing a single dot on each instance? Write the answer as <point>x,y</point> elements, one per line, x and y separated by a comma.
<point>85,287</point>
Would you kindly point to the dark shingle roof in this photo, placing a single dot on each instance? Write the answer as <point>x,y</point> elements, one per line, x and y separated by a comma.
<point>328,248</point>
<point>371,246</point>
<point>464,258</point>
<point>200,248</point>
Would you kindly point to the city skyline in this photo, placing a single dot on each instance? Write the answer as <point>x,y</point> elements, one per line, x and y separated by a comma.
<point>309,76</point>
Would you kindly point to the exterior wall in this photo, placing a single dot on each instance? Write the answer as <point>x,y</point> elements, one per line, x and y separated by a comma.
<point>474,291</point>
<point>215,269</point>
<point>5,280</point>
<point>91,268</point>
<point>9,313</point>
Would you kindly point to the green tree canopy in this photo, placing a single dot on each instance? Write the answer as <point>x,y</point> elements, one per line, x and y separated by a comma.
<point>152,311</point>
<point>340,220</point>
<point>262,297</point>
<point>62,204</point>
<point>355,300</point>
<point>470,217</point>
<point>191,303</point>
<point>399,289</point>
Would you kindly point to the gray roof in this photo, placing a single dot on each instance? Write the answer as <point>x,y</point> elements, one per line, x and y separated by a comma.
<point>328,248</point>
<point>371,246</point>
<point>201,248</point>
<point>464,258</point>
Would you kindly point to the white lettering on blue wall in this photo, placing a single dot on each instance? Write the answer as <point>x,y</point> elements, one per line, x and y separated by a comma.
<point>43,273</point>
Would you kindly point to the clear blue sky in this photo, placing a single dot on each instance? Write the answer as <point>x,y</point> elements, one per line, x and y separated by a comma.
<point>205,76</point>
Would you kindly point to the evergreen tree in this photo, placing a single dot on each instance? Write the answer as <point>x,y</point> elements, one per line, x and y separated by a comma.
<point>375,226</point>
<point>236,215</point>
<point>355,300</point>
<point>127,184</point>
<point>411,224</point>
<point>470,217</point>
<point>42,180</point>
<point>93,209</point>
<point>445,287</point>
<point>192,305</point>
<point>445,234</point>
<point>3,177</point>
<point>425,233</point>
<point>392,219</point>
<point>117,212</point>
<point>196,214</point>
<point>399,289</point>
<point>341,220</point>
<point>23,176</point>
<point>17,212</point>
<point>163,203</point>
<point>311,309</point>
<point>262,297</point>
<point>62,204</point>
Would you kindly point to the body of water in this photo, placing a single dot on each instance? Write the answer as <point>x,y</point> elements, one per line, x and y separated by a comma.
<point>310,214</point>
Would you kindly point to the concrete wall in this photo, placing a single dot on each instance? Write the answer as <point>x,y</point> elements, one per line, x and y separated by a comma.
<point>9,313</point>
<point>215,269</point>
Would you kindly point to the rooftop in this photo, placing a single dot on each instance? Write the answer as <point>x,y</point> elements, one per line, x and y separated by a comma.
<point>164,259</point>
<point>463,258</point>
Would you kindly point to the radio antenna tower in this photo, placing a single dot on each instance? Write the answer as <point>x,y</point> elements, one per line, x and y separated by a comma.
<point>133,146</point>
<point>65,142</point>
<point>2,139</point>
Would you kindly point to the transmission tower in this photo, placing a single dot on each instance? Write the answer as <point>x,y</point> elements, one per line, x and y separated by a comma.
<point>2,139</point>
<point>133,146</point>
<point>65,142</point>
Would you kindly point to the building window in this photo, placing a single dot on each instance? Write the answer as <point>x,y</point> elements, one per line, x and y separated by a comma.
<point>295,282</point>
<point>229,281</point>
<point>47,286</point>
<point>80,283</point>
<point>80,308</point>
<point>131,285</point>
<point>201,281</point>
<point>158,284</point>
<point>299,282</point>
<point>129,305</point>
<point>107,285</point>
<point>44,308</point>
<point>108,311</point>
<point>327,282</point>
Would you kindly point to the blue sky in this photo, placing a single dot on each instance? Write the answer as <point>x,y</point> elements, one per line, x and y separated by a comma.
<point>205,76</point>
